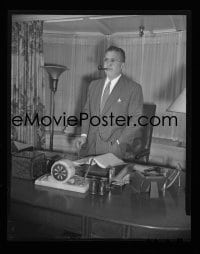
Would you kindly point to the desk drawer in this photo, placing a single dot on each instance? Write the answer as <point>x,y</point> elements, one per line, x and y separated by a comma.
<point>58,223</point>
<point>154,233</point>
<point>104,229</point>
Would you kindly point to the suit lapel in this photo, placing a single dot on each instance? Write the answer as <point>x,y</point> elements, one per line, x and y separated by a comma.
<point>115,94</point>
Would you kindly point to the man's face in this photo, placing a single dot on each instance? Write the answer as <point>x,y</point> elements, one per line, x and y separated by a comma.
<point>112,61</point>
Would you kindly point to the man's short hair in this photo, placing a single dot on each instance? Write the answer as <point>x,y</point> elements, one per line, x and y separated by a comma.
<point>118,50</point>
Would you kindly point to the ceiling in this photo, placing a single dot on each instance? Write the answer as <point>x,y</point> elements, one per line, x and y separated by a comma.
<point>107,25</point>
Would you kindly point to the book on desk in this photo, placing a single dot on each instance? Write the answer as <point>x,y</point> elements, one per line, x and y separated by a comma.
<point>103,161</point>
<point>99,166</point>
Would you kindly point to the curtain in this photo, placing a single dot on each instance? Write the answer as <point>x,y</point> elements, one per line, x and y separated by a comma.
<point>81,54</point>
<point>27,86</point>
<point>88,54</point>
<point>156,61</point>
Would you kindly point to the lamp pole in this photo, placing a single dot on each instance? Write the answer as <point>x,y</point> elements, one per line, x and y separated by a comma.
<point>54,71</point>
<point>54,83</point>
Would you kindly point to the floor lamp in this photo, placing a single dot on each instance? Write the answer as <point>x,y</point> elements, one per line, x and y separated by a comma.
<point>179,106</point>
<point>54,71</point>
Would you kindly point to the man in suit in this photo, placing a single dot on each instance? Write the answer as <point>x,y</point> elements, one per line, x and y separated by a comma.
<point>114,97</point>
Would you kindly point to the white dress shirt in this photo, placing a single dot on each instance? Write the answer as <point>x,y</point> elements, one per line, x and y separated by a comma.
<point>113,83</point>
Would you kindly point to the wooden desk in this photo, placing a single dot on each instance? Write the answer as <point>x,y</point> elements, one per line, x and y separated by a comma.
<point>125,215</point>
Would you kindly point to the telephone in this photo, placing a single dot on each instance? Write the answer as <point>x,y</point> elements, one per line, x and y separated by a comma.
<point>63,176</point>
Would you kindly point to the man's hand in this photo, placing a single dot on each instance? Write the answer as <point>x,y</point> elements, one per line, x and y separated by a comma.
<point>79,142</point>
<point>118,148</point>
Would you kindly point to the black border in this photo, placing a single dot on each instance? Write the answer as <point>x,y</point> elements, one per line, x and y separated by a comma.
<point>5,48</point>
<point>188,115</point>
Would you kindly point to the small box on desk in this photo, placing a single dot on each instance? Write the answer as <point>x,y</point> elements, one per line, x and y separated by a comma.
<point>28,164</point>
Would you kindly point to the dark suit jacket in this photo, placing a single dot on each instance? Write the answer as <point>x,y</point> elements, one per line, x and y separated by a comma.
<point>126,99</point>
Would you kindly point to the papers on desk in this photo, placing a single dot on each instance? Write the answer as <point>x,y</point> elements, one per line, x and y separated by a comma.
<point>150,171</point>
<point>140,168</point>
<point>83,161</point>
<point>102,161</point>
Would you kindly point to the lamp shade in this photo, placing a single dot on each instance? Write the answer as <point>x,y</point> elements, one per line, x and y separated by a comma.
<point>179,105</point>
<point>54,70</point>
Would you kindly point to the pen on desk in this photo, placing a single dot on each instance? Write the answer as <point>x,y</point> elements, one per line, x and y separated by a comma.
<point>86,173</point>
<point>78,154</point>
<point>156,169</point>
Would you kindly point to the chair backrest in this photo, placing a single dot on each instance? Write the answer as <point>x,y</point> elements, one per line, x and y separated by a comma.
<point>149,110</point>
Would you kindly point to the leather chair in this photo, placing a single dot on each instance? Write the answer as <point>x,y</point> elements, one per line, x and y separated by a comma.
<point>140,148</point>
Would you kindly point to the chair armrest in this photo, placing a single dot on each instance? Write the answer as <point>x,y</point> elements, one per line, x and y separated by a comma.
<point>131,150</point>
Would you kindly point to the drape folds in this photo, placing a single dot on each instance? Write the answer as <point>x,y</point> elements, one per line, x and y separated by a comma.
<point>156,61</point>
<point>27,87</point>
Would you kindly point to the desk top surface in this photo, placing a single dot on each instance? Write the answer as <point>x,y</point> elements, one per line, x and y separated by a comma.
<point>129,207</point>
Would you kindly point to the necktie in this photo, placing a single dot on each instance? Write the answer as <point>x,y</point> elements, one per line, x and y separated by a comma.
<point>105,95</point>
